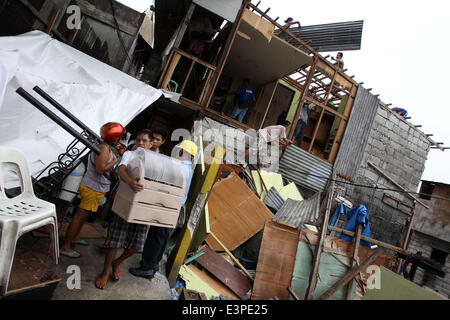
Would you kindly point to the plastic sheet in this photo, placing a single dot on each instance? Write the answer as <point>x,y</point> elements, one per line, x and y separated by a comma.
<point>161,168</point>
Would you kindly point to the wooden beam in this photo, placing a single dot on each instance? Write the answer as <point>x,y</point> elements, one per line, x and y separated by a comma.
<point>396,184</point>
<point>302,97</point>
<point>293,293</point>
<point>187,77</point>
<point>212,83</point>
<point>350,275</point>
<point>55,14</point>
<point>232,256</point>
<point>191,57</point>
<point>184,26</point>
<point>319,248</point>
<point>426,263</point>
<point>355,257</point>
<point>36,13</point>
<point>178,254</point>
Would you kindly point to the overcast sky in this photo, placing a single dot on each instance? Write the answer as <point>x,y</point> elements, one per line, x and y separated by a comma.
<point>404,57</point>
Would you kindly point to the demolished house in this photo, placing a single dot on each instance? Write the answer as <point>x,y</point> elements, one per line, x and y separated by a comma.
<point>252,233</point>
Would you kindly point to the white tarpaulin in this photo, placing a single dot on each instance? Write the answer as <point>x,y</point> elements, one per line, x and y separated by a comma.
<point>91,90</point>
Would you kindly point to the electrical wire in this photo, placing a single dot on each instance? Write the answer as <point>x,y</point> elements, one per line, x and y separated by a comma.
<point>368,186</point>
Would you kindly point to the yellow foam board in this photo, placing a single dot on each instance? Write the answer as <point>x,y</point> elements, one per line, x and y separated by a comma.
<point>291,192</point>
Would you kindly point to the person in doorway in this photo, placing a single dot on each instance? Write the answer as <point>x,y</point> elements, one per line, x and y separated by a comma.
<point>303,120</point>
<point>339,62</point>
<point>129,236</point>
<point>244,95</point>
<point>157,237</point>
<point>94,184</point>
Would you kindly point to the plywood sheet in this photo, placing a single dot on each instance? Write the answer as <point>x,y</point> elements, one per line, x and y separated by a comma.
<point>278,252</point>
<point>275,262</point>
<point>261,60</point>
<point>235,212</point>
<point>224,271</point>
<point>265,27</point>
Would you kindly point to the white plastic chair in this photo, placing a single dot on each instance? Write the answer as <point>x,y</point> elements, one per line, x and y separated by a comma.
<point>20,214</point>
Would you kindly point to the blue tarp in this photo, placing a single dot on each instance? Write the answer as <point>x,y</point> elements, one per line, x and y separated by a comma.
<point>354,216</point>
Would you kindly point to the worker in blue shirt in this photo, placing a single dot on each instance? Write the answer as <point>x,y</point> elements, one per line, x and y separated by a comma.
<point>244,95</point>
<point>158,237</point>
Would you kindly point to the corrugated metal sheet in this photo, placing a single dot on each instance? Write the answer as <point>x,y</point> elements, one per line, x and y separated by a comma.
<point>304,168</point>
<point>297,213</point>
<point>357,134</point>
<point>341,36</point>
<point>273,199</point>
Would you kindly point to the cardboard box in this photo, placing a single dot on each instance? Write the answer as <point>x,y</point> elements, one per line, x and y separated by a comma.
<point>158,204</point>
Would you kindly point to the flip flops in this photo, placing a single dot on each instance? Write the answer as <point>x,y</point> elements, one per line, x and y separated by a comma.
<point>81,242</point>
<point>100,284</point>
<point>72,254</point>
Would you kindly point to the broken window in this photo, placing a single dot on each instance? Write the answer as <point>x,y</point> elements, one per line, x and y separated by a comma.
<point>426,190</point>
<point>439,256</point>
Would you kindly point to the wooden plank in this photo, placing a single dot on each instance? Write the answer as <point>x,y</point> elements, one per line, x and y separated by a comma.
<point>318,251</point>
<point>275,262</point>
<point>302,98</point>
<point>187,77</point>
<point>184,26</point>
<point>293,293</point>
<point>178,255</point>
<point>236,213</point>
<point>224,271</point>
<point>350,275</point>
<point>36,13</point>
<point>53,20</point>
<point>197,60</point>
<point>396,184</point>
<point>213,283</point>
<point>236,261</point>
<point>214,79</point>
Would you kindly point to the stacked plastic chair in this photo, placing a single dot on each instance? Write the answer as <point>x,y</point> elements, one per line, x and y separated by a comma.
<point>20,214</point>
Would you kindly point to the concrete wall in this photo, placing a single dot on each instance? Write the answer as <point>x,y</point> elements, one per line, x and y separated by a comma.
<point>425,244</point>
<point>99,16</point>
<point>400,150</point>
